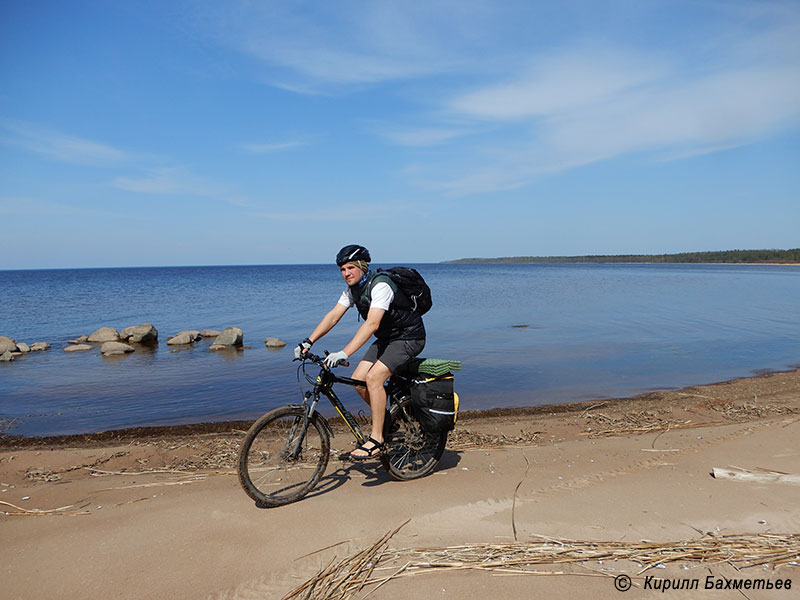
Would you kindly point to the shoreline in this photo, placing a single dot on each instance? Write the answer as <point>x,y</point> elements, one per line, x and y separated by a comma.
<point>206,428</point>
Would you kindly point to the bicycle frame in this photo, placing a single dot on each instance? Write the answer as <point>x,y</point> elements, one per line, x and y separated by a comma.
<point>324,386</point>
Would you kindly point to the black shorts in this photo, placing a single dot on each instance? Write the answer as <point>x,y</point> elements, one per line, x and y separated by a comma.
<point>393,354</point>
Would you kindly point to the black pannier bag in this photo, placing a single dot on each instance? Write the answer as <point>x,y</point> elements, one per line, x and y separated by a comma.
<point>435,402</point>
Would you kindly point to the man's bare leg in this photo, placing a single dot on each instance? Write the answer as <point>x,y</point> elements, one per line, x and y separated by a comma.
<point>360,373</point>
<point>375,375</point>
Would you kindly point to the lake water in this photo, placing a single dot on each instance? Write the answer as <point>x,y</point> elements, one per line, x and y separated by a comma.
<point>590,331</point>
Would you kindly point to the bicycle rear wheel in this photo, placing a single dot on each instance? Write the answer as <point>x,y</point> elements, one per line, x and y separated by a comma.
<point>280,463</point>
<point>411,452</point>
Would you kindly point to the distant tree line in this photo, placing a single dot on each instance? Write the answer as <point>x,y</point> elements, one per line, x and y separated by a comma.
<point>723,256</point>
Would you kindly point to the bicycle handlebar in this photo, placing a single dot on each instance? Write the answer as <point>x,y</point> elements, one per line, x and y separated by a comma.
<point>318,360</point>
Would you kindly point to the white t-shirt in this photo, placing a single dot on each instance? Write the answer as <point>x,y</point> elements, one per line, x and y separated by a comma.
<point>382,296</point>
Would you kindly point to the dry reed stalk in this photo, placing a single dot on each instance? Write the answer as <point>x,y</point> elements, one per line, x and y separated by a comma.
<point>464,439</point>
<point>747,412</point>
<point>744,550</point>
<point>100,473</point>
<point>217,452</point>
<point>343,580</point>
<point>99,461</point>
<point>156,484</point>
<point>501,573</point>
<point>585,412</point>
<point>514,501</point>
<point>37,512</point>
<point>322,549</point>
<point>642,429</point>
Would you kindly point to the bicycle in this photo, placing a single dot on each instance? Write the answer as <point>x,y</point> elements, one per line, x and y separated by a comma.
<point>286,451</point>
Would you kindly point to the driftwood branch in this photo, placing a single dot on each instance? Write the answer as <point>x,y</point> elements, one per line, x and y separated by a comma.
<point>750,476</point>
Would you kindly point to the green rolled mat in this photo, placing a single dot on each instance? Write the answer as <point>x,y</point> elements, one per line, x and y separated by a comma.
<point>434,366</point>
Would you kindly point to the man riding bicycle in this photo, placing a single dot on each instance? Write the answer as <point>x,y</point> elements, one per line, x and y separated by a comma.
<point>399,336</point>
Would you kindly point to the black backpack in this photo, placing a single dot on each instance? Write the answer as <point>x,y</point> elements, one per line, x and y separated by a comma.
<point>411,283</point>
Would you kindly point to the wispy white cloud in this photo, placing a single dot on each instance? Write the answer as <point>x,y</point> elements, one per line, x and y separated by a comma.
<point>270,147</point>
<point>725,108</point>
<point>510,102</point>
<point>337,214</point>
<point>578,108</point>
<point>560,83</point>
<point>181,181</point>
<point>421,137</point>
<point>349,43</point>
<point>681,154</point>
<point>33,207</point>
<point>668,120</point>
<point>525,110</point>
<point>170,181</point>
<point>59,146</point>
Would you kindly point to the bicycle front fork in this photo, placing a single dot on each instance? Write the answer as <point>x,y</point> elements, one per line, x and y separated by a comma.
<point>303,423</point>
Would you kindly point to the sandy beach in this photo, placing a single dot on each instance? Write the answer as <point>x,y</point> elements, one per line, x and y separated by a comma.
<point>558,501</point>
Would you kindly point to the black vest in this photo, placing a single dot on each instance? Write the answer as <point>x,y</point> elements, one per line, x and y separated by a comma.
<point>399,322</point>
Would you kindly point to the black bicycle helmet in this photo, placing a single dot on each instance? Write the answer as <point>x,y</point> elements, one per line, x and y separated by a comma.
<point>352,253</point>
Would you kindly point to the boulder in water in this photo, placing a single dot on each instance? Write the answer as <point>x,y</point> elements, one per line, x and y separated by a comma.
<point>7,344</point>
<point>115,348</point>
<point>78,348</point>
<point>230,337</point>
<point>139,334</point>
<point>272,342</point>
<point>104,334</point>
<point>184,338</point>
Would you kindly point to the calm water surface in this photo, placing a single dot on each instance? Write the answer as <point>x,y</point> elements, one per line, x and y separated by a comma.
<point>590,331</point>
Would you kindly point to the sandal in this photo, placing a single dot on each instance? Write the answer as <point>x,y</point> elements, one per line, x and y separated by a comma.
<point>373,452</point>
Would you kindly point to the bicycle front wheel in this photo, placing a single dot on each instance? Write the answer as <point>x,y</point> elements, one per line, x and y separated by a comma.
<point>411,452</point>
<point>283,456</point>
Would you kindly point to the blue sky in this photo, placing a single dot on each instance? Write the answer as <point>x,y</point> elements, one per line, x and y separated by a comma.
<point>247,132</point>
